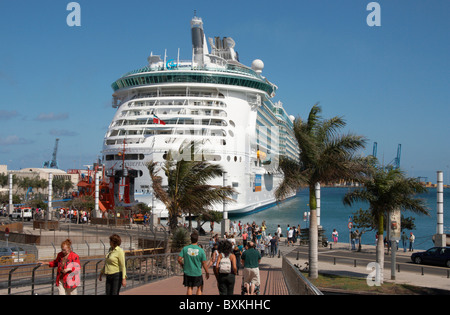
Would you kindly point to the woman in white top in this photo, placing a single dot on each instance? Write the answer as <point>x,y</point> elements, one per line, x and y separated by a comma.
<point>335,236</point>
<point>279,231</point>
<point>214,257</point>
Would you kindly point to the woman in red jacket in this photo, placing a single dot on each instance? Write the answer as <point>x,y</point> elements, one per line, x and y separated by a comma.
<point>68,264</point>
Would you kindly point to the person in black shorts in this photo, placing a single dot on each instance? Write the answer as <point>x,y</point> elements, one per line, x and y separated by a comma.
<point>192,258</point>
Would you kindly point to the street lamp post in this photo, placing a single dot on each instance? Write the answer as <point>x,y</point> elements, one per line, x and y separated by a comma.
<point>225,226</point>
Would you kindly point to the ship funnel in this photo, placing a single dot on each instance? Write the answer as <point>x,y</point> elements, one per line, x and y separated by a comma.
<point>198,40</point>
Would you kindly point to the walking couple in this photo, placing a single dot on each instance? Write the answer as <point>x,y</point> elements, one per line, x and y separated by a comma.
<point>193,258</point>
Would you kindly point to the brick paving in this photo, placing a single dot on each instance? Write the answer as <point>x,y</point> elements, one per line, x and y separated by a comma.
<point>272,283</point>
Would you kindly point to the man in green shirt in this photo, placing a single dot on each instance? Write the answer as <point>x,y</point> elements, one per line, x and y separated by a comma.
<point>192,258</point>
<point>250,259</point>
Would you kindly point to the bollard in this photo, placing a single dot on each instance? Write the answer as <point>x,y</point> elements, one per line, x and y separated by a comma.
<point>297,255</point>
<point>398,267</point>
<point>354,263</point>
<point>422,271</point>
<point>334,260</point>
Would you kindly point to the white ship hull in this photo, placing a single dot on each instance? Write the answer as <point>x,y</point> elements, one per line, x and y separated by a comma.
<point>224,107</point>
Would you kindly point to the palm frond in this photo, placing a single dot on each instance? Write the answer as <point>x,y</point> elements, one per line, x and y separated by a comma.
<point>314,118</point>
<point>293,178</point>
<point>158,190</point>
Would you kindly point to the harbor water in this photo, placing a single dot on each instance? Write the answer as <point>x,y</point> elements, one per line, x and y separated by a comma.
<point>335,215</point>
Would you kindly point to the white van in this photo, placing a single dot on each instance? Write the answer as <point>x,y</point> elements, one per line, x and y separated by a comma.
<point>22,212</point>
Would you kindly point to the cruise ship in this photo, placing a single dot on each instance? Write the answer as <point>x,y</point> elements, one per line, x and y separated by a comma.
<point>225,107</point>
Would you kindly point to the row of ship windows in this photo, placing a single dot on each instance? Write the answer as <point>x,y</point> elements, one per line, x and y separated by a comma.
<point>178,121</point>
<point>218,113</point>
<point>179,131</point>
<point>140,157</point>
<point>191,78</point>
<point>185,102</point>
<point>127,157</point>
<point>118,101</point>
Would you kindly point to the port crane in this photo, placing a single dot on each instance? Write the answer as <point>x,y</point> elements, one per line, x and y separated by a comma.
<point>396,161</point>
<point>53,163</point>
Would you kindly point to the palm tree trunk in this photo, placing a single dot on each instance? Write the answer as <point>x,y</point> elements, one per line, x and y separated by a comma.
<point>313,235</point>
<point>380,248</point>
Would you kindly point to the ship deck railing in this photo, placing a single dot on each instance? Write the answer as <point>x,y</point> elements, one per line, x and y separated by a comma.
<point>187,65</point>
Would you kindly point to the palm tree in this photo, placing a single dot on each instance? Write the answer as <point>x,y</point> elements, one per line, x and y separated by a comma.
<point>187,189</point>
<point>387,189</point>
<point>325,156</point>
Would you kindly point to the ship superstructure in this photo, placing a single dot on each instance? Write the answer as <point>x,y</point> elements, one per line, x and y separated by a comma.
<point>213,100</point>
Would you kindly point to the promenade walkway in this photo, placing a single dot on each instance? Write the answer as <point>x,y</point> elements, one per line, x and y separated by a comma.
<point>271,276</point>
<point>272,281</point>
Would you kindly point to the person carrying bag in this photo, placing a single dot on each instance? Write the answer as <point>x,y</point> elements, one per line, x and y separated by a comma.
<point>226,268</point>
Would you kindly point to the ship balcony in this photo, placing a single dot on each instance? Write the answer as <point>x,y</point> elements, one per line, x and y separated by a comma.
<point>173,112</point>
<point>176,102</point>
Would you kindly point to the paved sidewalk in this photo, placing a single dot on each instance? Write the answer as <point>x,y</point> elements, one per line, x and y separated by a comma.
<point>402,277</point>
<point>272,281</point>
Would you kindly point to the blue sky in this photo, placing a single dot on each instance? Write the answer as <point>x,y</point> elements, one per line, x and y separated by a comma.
<point>391,83</point>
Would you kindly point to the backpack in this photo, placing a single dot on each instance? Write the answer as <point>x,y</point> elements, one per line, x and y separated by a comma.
<point>225,264</point>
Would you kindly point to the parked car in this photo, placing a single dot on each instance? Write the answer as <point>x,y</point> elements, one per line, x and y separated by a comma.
<point>19,212</point>
<point>15,252</point>
<point>433,256</point>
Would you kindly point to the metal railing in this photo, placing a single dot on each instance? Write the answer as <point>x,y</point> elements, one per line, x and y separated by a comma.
<point>297,284</point>
<point>38,279</point>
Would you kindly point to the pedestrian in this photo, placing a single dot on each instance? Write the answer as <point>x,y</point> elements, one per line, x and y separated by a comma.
<point>335,236</point>
<point>231,238</point>
<point>237,251</point>
<point>411,241</point>
<point>274,245</point>
<point>290,235</point>
<point>262,248</point>
<point>258,236</point>
<point>263,228</point>
<point>68,264</point>
<point>226,268</point>
<point>214,257</point>
<point>235,229</point>
<point>267,244</point>
<point>244,238</point>
<point>358,239</point>
<point>251,259</point>
<point>404,239</point>
<point>192,258</point>
<point>279,231</point>
<point>352,238</point>
<point>211,226</point>
<point>115,268</point>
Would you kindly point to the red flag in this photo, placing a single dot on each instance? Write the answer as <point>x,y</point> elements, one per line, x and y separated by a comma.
<point>158,121</point>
